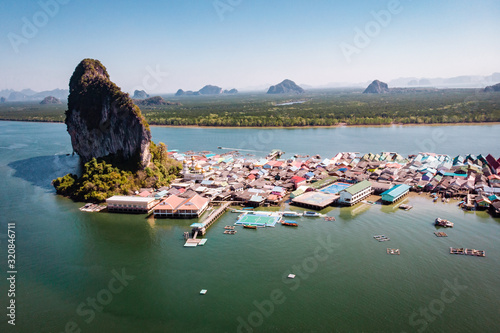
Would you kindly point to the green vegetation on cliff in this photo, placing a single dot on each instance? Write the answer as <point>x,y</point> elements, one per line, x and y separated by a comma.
<point>90,86</point>
<point>101,180</point>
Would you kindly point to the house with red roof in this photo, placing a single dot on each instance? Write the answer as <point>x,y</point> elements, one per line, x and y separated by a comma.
<point>298,181</point>
<point>494,164</point>
<point>175,206</point>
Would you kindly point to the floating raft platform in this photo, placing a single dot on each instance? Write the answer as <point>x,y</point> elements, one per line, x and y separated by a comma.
<point>92,208</point>
<point>440,234</point>
<point>382,238</point>
<point>230,232</point>
<point>194,242</point>
<point>468,252</point>
<point>229,227</point>
<point>393,251</point>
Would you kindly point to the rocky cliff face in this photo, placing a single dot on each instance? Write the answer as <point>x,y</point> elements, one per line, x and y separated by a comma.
<point>103,121</point>
<point>140,94</point>
<point>51,100</point>
<point>154,101</point>
<point>377,87</point>
<point>286,87</point>
<point>210,90</point>
<point>493,88</point>
<point>181,92</point>
<point>206,90</point>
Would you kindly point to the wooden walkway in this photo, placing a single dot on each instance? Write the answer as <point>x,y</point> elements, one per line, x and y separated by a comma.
<point>214,216</point>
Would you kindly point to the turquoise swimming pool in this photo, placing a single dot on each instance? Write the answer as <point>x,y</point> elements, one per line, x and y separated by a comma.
<point>335,188</point>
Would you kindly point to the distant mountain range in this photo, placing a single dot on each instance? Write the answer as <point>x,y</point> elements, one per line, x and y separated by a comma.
<point>379,87</point>
<point>464,81</point>
<point>31,95</point>
<point>206,90</point>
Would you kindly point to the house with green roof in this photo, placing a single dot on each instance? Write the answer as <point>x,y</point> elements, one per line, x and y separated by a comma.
<point>355,193</point>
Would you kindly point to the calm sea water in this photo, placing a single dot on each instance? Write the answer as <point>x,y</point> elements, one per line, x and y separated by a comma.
<point>345,281</point>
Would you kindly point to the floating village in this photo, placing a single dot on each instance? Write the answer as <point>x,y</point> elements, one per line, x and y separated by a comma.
<point>211,183</point>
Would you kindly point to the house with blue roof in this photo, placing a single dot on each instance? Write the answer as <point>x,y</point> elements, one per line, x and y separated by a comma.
<point>309,175</point>
<point>395,193</point>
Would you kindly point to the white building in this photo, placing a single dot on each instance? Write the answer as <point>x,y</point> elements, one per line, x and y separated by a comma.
<point>355,193</point>
<point>129,204</point>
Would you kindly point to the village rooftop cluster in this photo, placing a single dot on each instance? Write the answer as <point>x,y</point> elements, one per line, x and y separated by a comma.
<point>315,183</point>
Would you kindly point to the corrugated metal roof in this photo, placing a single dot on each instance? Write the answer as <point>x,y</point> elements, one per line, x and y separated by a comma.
<point>358,187</point>
<point>397,190</point>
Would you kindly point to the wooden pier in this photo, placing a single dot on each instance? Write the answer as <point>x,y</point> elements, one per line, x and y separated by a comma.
<point>214,216</point>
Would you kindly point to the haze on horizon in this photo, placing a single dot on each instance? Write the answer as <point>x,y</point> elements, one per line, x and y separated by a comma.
<point>246,44</point>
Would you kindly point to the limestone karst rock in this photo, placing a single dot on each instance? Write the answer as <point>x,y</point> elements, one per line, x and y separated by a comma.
<point>286,87</point>
<point>104,122</point>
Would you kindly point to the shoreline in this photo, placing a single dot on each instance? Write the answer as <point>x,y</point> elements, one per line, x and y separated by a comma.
<point>334,126</point>
<point>341,125</point>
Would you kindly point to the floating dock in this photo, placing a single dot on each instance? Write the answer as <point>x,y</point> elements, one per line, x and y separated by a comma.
<point>468,252</point>
<point>194,242</point>
<point>440,234</point>
<point>92,208</point>
<point>393,251</point>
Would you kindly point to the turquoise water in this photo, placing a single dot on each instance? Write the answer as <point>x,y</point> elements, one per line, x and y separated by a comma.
<point>345,281</point>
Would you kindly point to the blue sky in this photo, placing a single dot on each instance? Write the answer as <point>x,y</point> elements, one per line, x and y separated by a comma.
<point>245,43</point>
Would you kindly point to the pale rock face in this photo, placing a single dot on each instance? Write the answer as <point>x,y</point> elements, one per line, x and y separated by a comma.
<point>286,87</point>
<point>103,121</point>
<point>377,87</point>
<point>493,88</point>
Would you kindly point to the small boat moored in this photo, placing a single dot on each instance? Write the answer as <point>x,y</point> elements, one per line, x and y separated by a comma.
<point>249,226</point>
<point>311,214</point>
<point>443,223</point>
<point>382,238</point>
<point>290,223</point>
<point>292,214</point>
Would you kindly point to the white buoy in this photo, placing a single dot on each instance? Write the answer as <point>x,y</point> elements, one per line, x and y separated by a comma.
<point>203,292</point>
<point>291,276</point>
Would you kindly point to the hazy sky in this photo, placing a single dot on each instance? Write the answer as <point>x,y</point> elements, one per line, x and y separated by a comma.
<point>245,43</point>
